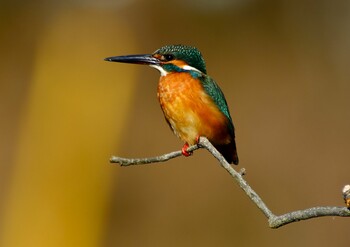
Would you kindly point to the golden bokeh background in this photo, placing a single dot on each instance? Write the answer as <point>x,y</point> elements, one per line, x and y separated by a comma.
<point>283,66</point>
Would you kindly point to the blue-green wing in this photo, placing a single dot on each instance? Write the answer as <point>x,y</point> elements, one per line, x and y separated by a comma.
<point>214,91</point>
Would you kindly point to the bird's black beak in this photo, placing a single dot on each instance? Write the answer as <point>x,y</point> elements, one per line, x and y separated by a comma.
<point>136,59</point>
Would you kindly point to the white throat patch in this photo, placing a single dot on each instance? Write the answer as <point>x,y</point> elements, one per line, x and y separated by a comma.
<point>160,69</point>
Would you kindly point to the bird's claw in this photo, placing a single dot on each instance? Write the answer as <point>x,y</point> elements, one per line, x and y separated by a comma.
<point>184,150</point>
<point>197,139</point>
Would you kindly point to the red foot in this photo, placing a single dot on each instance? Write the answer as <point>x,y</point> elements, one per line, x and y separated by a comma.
<point>184,150</point>
<point>197,139</point>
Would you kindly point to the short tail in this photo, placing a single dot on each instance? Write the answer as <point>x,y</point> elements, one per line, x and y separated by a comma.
<point>229,151</point>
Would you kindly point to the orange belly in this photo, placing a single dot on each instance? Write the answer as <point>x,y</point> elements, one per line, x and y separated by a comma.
<point>190,111</point>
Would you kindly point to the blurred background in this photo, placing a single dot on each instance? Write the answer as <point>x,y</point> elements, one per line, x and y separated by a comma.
<point>283,66</point>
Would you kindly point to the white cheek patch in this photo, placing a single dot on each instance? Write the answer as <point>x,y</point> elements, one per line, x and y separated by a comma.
<point>187,67</point>
<point>160,69</point>
<point>163,72</point>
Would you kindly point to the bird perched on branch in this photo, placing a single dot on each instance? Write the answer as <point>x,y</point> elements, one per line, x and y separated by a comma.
<point>192,102</point>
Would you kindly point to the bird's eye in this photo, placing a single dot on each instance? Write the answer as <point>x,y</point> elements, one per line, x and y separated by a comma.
<point>167,57</point>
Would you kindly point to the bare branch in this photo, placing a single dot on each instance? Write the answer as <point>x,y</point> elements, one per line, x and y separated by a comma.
<point>278,221</point>
<point>274,221</point>
<point>150,160</point>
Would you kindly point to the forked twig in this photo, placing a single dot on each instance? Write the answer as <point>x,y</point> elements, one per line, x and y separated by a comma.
<point>274,220</point>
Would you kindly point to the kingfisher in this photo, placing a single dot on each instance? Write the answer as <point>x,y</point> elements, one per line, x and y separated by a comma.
<point>192,102</point>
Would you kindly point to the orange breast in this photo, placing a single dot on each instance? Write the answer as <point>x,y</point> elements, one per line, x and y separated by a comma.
<point>190,111</point>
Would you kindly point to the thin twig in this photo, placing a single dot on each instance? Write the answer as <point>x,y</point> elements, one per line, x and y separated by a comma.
<point>150,160</point>
<point>274,221</point>
<point>278,221</point>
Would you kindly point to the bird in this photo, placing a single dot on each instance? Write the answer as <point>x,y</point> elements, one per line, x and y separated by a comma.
<point>193,104</point>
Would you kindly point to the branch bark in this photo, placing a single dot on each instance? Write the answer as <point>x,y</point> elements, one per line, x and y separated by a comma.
<point>273,220</point>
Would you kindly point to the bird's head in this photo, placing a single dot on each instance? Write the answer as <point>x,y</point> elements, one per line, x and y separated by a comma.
<point>170,58</point>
